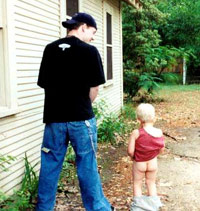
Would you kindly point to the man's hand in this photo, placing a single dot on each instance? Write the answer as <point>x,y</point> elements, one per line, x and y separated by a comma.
<point>93,93</point>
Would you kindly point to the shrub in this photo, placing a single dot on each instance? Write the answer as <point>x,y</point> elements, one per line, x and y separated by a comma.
<point>128,112</point>
<point>109,128</point>
<point>148,81</point>
<point>141,84</point>
<point>110,123</point>
<point>171,78</point>
<point>131,82</point>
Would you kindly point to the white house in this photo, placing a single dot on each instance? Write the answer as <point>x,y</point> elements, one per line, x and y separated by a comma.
<point>26,26</point>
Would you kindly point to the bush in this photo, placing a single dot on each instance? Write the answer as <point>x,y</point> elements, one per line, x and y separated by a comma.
<point>131,82</point>
<point>171,78</point>
<point>148,81</point>
<point>109,128</point>
<point>128,112</point>
<point>141,84</point>
<point>110,124</point>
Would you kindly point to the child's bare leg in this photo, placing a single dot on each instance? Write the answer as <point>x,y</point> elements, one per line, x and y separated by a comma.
<point>151,177</point>
<point>138,175</point>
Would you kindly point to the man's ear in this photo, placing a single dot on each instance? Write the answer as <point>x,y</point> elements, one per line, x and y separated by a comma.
<point>84,27</point>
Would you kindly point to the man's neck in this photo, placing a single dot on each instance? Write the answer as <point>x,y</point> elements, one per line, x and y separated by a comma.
<point>74,33</point>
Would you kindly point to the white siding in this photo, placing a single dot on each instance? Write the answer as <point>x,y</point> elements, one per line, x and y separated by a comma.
<point>113,93</point>
<point>36,23</point>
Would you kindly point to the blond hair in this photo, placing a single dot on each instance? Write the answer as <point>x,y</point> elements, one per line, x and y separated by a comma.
<point>145,112</point>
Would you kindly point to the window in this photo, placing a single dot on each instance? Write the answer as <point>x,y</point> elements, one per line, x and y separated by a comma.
<point>72,7</point>
<point>109,60</point>
<point>8,89</point>
<point>68,9</point>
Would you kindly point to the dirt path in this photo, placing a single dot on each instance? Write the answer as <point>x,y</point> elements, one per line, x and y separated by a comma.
<point>178,179</point>
<point>179,167</point>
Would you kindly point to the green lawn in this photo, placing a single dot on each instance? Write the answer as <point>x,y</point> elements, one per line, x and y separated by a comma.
<point>177,88</point>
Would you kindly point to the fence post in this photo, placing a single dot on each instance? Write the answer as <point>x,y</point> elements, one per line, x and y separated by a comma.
<point>184,71</point>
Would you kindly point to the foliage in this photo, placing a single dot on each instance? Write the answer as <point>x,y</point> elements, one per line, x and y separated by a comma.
<point>157,36</point>
<point>110,123</point>
<point>109,128</point>
<point>171,78</point>
<point>131,78</point>
<point>16,202</point>
<point>68,173</point>
<point>25,196</point>
<point>5,159</point>
<point>137,84</point>
<point>148,82</point>
<point>179,88</point>
<point>30,181</point>
<point>129,116</point>
<point>182,28</point>
<point>142,49</point>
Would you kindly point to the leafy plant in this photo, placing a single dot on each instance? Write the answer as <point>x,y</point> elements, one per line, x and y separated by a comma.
<point>25,196</point>
<point>109,128</point>
<point>140,83</point>
<point>148,81</point>
<point>16,202</point>
<point>5,159</point>
<point>170,78</point>
<point>128,112</point>
<point>30,181</point>
<point>110,124</point>
<point>131,78</point>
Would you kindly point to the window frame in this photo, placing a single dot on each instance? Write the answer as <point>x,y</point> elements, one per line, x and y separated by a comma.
<point>108,9</point>
<point>10,105</point>
<point>64,16</point>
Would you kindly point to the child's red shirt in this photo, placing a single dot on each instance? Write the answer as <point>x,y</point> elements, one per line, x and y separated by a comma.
<point>147,146</point>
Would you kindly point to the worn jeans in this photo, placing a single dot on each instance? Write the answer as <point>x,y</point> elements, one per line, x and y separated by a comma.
<point>83,137</point>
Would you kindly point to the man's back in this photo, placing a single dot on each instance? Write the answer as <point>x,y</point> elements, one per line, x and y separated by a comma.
<point>68,70</point>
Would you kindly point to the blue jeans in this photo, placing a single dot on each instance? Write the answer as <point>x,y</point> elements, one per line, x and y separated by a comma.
<point>83,137</point>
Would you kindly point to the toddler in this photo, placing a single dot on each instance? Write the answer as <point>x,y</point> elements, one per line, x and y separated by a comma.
<point>145,144</point>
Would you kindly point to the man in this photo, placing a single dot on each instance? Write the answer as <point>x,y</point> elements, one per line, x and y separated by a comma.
<point>70,73</point>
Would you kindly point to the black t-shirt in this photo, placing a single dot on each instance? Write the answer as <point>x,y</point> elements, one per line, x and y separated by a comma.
<point>69,68</point>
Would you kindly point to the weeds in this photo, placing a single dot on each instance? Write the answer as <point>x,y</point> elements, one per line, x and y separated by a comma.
<point>5,159</point>
<point>68,173</point>
<point>110,125</point>
<point>24,198</point>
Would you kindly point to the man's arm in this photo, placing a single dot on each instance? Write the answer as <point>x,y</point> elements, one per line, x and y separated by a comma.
<point>93,93</point>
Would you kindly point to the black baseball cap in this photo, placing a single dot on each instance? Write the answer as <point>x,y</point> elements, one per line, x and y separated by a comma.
<point>80,17</point>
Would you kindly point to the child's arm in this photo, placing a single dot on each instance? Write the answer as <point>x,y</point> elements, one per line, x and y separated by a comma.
<point>131,145</point>
<point>163,148</point>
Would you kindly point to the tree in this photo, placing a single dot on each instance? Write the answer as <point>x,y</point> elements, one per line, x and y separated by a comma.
<point>182,28</point>
<point>142,49</point>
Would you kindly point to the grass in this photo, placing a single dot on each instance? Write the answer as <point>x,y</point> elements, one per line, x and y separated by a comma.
<point>177,88</point>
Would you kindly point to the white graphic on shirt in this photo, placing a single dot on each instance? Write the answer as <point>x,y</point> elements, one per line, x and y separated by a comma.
<point>64,45</point>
